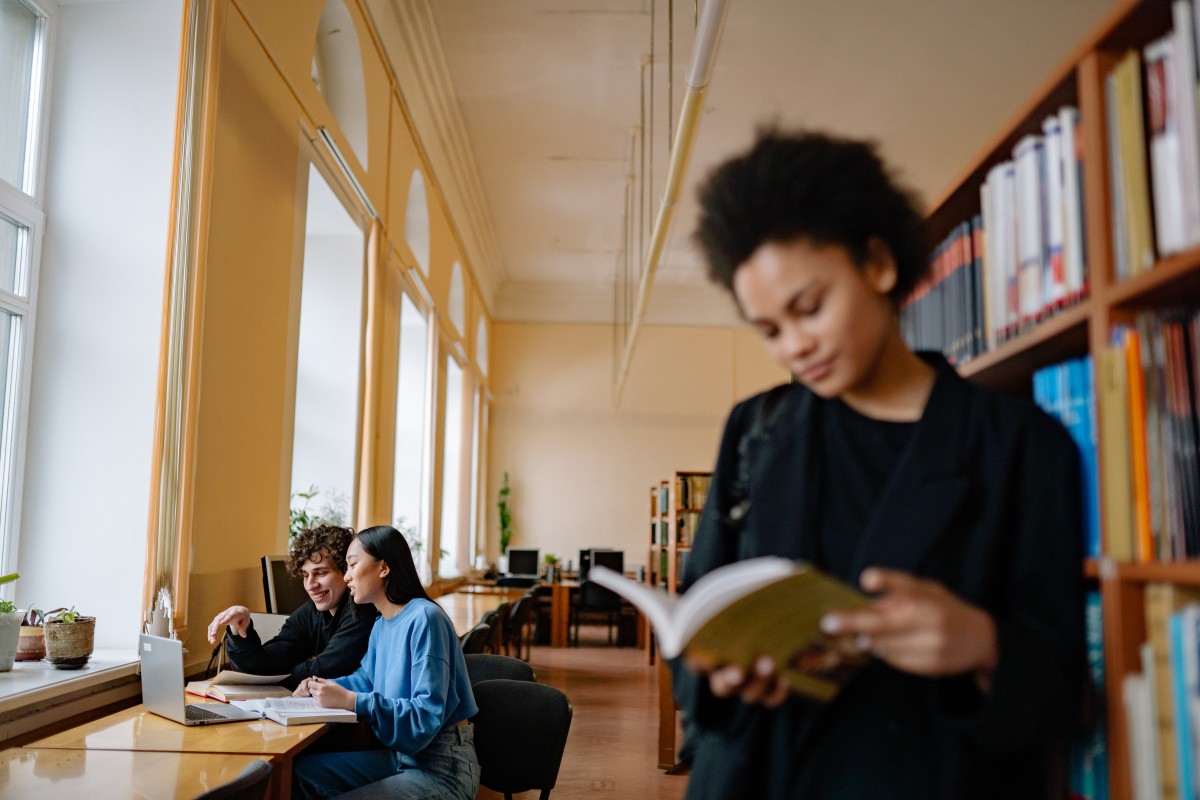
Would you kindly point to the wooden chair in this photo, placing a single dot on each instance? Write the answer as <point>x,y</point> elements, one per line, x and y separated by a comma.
<point>520,734</point>
<point>486,666</point>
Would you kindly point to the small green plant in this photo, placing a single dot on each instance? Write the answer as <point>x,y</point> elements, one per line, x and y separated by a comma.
<point>34,618</point>
<point>550,560</point>
<point>64,615</point>
<point>7,606</point>
<point>301,517</point>
<point>506,530</point>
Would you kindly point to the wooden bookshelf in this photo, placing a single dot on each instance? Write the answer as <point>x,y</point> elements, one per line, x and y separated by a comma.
<point>1084,327</point>
<point>675,508</point>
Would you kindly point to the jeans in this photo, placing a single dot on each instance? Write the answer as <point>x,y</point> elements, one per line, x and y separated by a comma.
<point>446,769</point>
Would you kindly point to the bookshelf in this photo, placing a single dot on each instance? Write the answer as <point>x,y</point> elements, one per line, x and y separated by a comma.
<point>1083,325</point>
<point>675,508</point>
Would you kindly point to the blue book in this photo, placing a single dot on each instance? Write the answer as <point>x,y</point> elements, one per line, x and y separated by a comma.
<point>1182,638</point>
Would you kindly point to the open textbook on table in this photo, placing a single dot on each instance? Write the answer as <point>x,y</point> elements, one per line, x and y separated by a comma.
<point>295,710</point>
<point>230,685</point>
<point>762,606</point>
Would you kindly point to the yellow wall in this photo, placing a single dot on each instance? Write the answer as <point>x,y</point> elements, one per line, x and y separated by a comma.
<point>580,473</point>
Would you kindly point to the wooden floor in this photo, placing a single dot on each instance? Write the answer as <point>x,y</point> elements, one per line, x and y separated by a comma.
<point>611,747</point>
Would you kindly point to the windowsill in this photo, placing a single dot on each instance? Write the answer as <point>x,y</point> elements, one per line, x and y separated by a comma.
<point>34,694</point>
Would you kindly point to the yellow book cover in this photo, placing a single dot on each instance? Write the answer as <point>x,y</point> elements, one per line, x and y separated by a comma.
<point>1113,391</point>
<point>762,606</point>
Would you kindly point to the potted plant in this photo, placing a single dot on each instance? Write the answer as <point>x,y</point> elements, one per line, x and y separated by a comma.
<point>69,638</point>
<point>10,627</point>
<point>551,562</point>
<point>506,530</point>
<point>31,646</point>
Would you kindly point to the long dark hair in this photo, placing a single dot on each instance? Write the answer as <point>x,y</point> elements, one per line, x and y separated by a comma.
<point>385,543</point>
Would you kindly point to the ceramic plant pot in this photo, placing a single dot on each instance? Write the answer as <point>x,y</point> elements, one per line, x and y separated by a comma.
<point>69,644</point>
<point>31,646</point>
<point>10,634</point>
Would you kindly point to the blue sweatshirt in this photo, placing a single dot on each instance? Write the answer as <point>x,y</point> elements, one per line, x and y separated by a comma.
<point>413,680</point>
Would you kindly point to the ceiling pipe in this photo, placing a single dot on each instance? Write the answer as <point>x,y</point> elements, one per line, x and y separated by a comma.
<point>708,36</point>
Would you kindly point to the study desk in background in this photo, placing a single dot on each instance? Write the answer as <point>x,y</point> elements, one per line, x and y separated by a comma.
<point>136,730</point>
<point>114,774</point>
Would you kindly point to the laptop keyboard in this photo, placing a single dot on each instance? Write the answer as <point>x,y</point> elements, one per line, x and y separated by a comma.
<point>195,713</point>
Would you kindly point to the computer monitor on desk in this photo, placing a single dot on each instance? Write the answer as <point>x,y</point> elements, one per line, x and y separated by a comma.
<point>587,559</point>
<point>284,592</point>
<point>613,559</point>
<point>523,562</point>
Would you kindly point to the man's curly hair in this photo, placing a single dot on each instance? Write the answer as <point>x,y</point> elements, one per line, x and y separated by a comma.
<point>323,539</point>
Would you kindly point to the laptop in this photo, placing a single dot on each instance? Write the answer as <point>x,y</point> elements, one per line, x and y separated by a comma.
<point>162,687</point>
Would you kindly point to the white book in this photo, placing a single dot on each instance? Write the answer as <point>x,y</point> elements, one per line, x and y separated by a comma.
<point>1165,163</point>
<point>1029,155</point>
<point>1188,109</point>
<point>1139,723</point>
<point>1054,279</point>
<point>295,710</point>
<point>1074,251</point>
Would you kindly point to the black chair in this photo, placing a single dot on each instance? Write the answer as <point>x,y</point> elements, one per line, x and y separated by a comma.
<point>251,784</point>
<point>474,640</point>
<point>520,734</point>
<point>594,601</point>
<point>486,666</point>
<point>519,631</point>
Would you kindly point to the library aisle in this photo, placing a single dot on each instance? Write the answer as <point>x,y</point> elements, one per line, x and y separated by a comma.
<point>613,737</point>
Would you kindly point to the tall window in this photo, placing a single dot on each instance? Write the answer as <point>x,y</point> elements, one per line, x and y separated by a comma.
<point>325,438</point>
<point>411,485</point>
<point>22,62</point>
<point>452,464</point>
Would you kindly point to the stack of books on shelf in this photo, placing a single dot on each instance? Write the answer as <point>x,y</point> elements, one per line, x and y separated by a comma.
<point>1151,437</point>
<point>1088,766</point>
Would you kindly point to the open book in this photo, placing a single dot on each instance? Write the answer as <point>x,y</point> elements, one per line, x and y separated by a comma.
<point>295,710</point>
<point>229,685</point>
<point>762,606</point>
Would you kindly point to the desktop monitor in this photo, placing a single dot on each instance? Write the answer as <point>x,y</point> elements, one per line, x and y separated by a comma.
<point>284,591</point>
<point>523,561</point>
<point>586,560</point>
<point>613,559</point>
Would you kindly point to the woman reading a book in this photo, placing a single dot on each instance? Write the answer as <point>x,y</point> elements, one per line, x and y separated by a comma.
<point>956,509</point>
<point>412,688</point>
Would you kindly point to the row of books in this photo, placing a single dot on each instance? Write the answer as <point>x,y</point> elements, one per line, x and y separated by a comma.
<point>693,489</point>
<point>1149,382</point>
<point>1067,392</point>
<point>1162,702</point>
<point>1020,260</point>
<point>1162,81</point>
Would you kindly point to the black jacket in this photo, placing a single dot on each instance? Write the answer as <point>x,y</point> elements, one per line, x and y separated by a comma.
<point>311,642</point>
<point>985,500</point>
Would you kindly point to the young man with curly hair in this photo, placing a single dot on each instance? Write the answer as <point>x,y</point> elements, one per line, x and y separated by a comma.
<point>326,637</point>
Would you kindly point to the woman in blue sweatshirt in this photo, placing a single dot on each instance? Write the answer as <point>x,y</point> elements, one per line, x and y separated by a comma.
<point>412,688</point>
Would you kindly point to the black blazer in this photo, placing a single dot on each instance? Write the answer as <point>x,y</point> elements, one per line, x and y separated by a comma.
<point>986,500</point>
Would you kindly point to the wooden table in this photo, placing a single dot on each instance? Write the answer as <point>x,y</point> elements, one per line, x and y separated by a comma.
<point>560,612</point>
<point>465,609</point>
<point>114,774</point>
<point>137,730</point>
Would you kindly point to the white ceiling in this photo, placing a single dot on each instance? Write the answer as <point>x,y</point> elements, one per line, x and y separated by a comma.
<point>526,109</point>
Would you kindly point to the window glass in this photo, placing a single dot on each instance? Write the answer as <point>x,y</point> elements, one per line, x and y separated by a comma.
<point>19,35</point>
<point>410,485</point>
<point>452,461</point>
<point>325,438</point>
<point>14,256</point>
<point>458,300</point>
<point>11,333</point>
